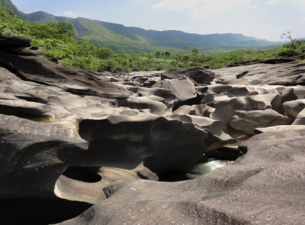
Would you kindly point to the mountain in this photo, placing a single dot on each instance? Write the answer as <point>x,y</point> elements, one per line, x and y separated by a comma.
<point>132,39</point>
<point>41,17</point>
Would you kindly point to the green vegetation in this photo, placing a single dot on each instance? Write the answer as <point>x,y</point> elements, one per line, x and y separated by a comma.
<point>135,40</point>
<point>58,39</point>
<point>294,47</point>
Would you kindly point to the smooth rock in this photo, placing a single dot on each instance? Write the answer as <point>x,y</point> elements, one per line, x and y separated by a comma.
<point>184,89</point>
<point>249,191</point>
<point>14,41</point>
<point>247,121</point>
<point>293,108</point>
<point>126,141</point>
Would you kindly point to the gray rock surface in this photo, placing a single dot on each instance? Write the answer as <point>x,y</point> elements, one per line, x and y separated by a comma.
<point>263,187</point>
<point>71,138</point>
<point>300,120</point>
<point>125,141</point>
<point>183,88</point>
<point>293,108</point>
<point>247,121</point>
<point>288,74</point>
<point>199,74</point>
<point>14,41</point>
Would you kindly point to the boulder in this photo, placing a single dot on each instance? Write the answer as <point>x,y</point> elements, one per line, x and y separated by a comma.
<point>139,103</point>
<point>43,71</point>
<point>247,121</point>
<point>126,141</point>
<point>226,107</point>
<point>165,96</point>
<point>216,137</point>
<point>184,89</point>
<point>300,120</point>
<point>14,41</point>
<point>26,52</point>
<point>195,110</point>
<point>293,108</point>
<point>198,73</point>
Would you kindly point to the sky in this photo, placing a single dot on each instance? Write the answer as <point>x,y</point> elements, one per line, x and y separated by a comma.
<point>264,19</point>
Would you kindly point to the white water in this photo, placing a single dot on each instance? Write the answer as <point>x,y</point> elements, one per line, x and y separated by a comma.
<point>204,168</point>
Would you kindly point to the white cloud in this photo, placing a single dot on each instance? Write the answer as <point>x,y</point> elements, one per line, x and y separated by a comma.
<point>70,14</point>
<point>302,20</point>
<point>273,1</point>
<point>200,9</point>
<point>251,7</point>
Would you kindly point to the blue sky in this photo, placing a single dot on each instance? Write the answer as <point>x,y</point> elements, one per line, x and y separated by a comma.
<point>266,19</point>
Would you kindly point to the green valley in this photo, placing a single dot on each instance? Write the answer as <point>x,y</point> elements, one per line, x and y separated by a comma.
<point>132,39</point>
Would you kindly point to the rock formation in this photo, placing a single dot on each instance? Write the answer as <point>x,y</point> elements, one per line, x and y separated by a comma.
<point>71,138</point>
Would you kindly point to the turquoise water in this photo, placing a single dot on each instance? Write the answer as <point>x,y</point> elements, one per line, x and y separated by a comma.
<point>204,168</point>
<point>199,169</point>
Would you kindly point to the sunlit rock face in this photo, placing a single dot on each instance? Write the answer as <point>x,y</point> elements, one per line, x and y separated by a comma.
<point>72,138</point>
<point>285,73</point>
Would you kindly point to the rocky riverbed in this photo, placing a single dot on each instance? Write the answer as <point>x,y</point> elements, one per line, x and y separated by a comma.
<point>88,147</point>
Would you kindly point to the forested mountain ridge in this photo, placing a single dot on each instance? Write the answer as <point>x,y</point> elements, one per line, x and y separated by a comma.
<point>132,39</point>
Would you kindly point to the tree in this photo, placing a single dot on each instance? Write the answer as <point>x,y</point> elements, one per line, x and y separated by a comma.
<point>178,57</point>
<point>157,54</point>
<point>63,28</point>
<point>150,56</point>
<point>195,51</point>
<point>167,54</point>
<point>186,49</point>
<point>2,2</point>
<point>288,36</point>
<point>104,53</point>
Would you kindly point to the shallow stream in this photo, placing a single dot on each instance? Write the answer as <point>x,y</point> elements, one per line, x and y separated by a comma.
<point>198,170</point>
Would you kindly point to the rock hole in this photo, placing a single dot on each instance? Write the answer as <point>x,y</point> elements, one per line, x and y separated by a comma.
<point>85,174</point>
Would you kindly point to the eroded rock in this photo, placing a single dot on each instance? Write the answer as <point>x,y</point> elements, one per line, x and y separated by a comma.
<point>247,121</point>
<point>249,191</point>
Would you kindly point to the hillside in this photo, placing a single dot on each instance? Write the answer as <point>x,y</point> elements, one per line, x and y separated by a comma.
<point>132,39</point>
